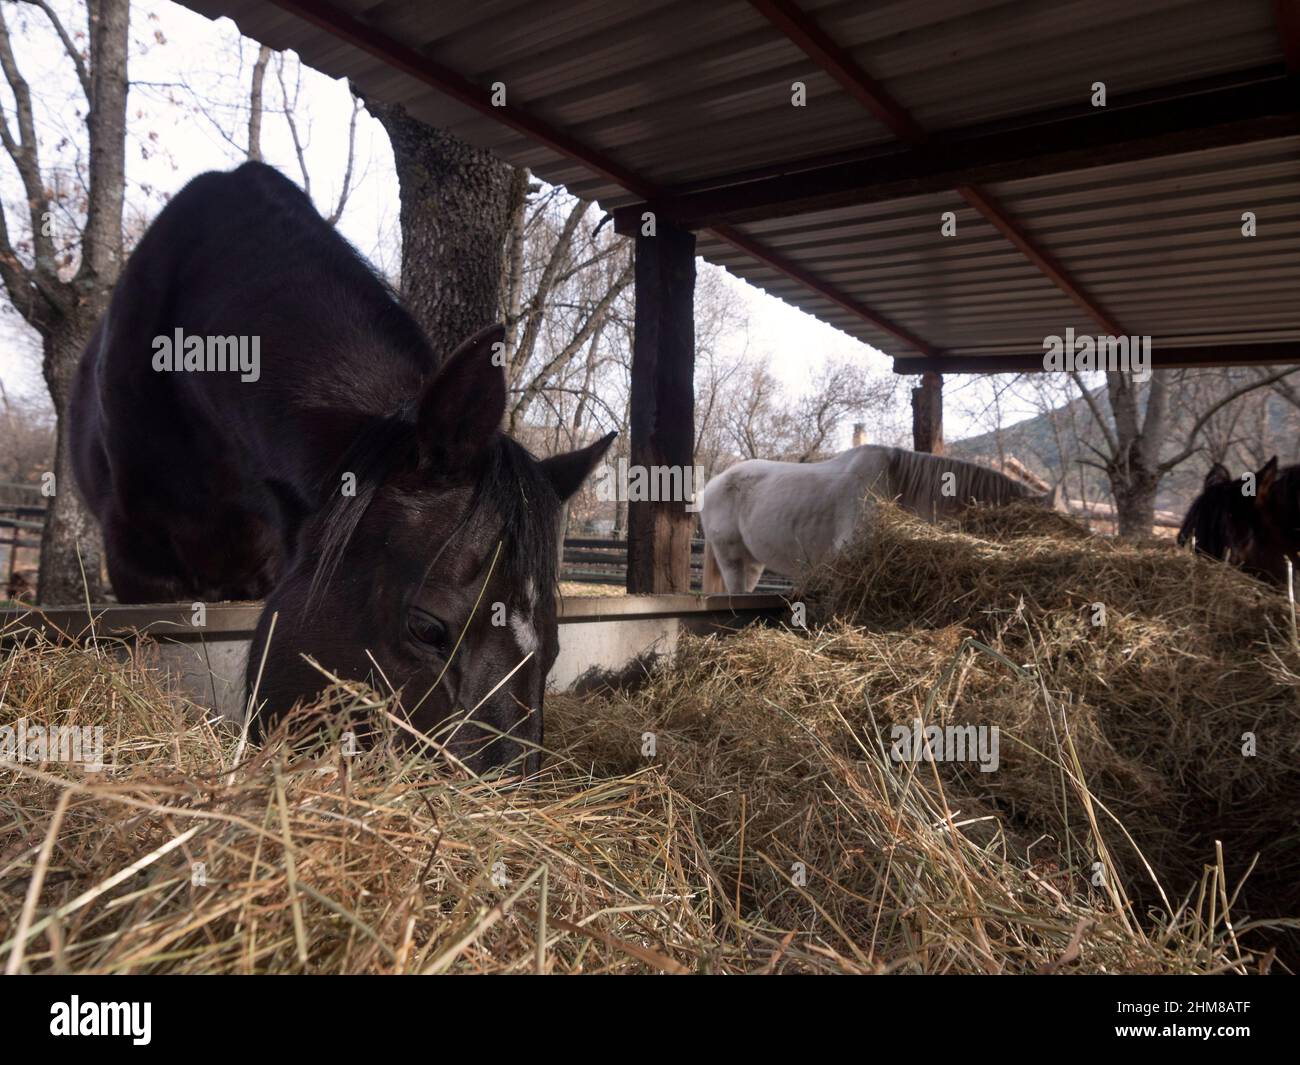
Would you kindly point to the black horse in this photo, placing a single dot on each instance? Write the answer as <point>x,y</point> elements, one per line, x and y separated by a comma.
<point>1258,531</point>
<point>257,416</point>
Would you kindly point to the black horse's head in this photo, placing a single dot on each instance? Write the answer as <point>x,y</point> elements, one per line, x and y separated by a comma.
<point>435,577</point>
<point>1231,520</point>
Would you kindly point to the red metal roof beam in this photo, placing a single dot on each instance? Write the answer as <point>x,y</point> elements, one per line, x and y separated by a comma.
<point>825,289</point>
<point>996,214</point>
<point>1163,356</point>
<point>1286,14</point>
<point>810,38</point>
<point>1188,118</point>
<point>804,32</point>
<point>401,57</point>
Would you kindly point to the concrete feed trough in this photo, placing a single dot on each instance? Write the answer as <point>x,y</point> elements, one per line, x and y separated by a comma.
<point>208,661</point>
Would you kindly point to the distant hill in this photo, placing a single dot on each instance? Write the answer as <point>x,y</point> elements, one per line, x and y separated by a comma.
<point>1034,442</point>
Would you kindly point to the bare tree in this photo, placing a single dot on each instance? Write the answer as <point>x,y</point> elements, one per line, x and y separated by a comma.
<point>1129,440</point>
<point>290,111</point>
<point>759,418</point>
<point>565,285</point>
<point>1138,450</point>
<point>216,93</point>
<point>60,282</point>
<point>840,391</point>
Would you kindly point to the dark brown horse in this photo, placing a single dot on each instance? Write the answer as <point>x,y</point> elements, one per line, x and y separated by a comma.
<point>1253,522</point>
<point>337,466</point>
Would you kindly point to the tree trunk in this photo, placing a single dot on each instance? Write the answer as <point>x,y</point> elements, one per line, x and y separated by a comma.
<point>1134,467</point>
<point>255,104</point>
<point>1135,502</point>
<point>927,415</point>
<point>511,300</point>
<point>70,542</point>
<point>455,215</point>
<point>564,531</point>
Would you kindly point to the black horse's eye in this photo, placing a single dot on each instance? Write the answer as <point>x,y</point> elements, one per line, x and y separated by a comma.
<point>426,629</point>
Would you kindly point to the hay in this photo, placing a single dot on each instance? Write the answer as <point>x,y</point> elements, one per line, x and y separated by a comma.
<point>768,832</point>
<point>589,590</point>
<point>1155,703</point>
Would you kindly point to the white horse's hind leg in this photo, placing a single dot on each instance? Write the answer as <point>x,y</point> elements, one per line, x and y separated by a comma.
<point>740,572</point>
<point>724,546</point>
<point>712,582</point>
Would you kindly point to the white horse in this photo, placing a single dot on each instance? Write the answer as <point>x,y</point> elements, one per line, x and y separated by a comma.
<point>788,516</point>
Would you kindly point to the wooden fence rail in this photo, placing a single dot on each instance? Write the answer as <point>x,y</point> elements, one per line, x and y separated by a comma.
<point>604,561</point>
<point>591,560</point>
<point>13,541</point>
<point>587,560</point>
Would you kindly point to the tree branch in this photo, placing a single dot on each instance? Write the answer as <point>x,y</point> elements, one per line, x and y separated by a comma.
<point>1096,412</point>
<point>1249,386</point>
<point>101,240</point>
<point>595,320</point>
<point>255,105</point>
<point>337,213</point>
<point>298,147</point>
<point>26,158</point>
<point>541,295</point>
<point>83,75</point>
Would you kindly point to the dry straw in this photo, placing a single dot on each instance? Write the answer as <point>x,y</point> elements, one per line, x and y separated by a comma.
<point>770,831</point>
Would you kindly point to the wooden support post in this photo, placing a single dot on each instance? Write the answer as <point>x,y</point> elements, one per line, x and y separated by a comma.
<point>11,586</point>
<point>927,415</point>
<point>663,410</point>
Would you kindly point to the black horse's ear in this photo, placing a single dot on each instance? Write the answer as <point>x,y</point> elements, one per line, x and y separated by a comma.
<point>567,472</point>
<point>1218,475</point>
<point>1265,477</point>
<point>462,407</point>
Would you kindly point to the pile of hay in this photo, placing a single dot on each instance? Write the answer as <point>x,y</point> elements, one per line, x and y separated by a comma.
<point>737,811</point>
<point>1171,683</point>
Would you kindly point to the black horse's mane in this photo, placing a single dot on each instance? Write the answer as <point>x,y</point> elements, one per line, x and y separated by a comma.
<point>512,490</point>
<point>516,490</point>
<point>1209,523</point>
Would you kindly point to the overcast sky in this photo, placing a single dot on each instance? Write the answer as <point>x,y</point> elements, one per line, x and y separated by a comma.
<point>190,77</point>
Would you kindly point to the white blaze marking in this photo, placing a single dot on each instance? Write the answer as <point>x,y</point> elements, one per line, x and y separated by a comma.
<point>525,636</point>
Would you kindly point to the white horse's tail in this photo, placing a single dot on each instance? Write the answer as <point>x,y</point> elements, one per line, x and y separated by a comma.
<point>712,571</point>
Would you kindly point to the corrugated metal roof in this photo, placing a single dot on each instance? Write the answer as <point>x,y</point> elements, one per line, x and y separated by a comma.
<point>679,92</point>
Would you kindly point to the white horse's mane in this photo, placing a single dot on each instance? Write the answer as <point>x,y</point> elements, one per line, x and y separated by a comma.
<point>917,481</point>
